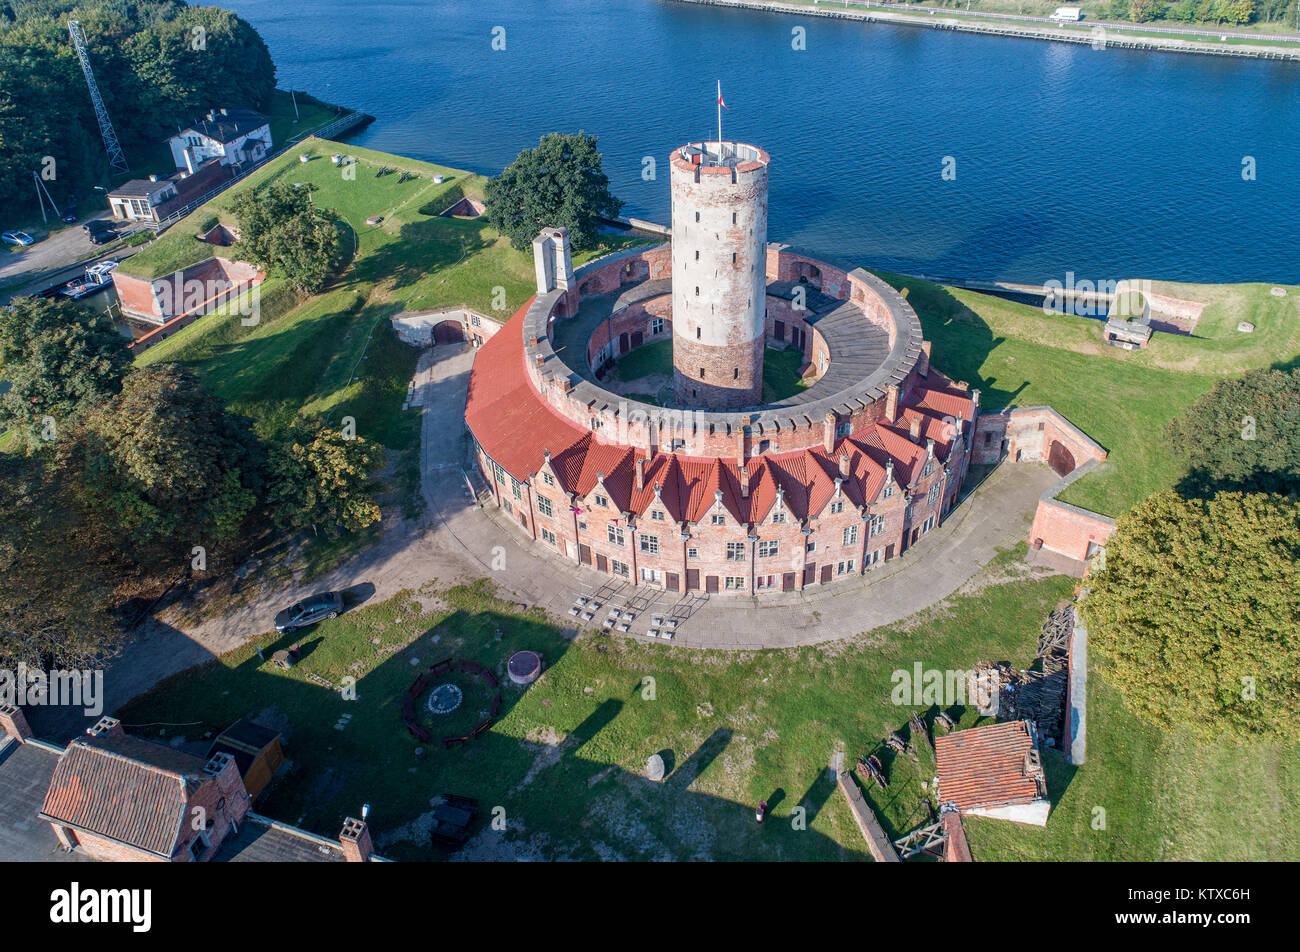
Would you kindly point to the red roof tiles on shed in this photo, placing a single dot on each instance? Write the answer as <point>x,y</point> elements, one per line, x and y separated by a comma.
<point>986,767</point>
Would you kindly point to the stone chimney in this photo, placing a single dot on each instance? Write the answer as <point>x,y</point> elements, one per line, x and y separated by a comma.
<point>929,449</point>
<point>744,482</point>
<point>889,470</point>
<point>640,473</point>
<point>14,723</point>
<point>845,463</point>
<point>740,447</point>
<point>828,432</point>
<point>891,402</point>
<point>914,430</point>
<point>355,840</point>
<point>923,362</point>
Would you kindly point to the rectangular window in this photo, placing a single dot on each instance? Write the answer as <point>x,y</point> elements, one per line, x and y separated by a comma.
<point>844,568</point>
<point>871,559</point>
<point>718,520</point>
<point>652,575</point>
<point>810,547</point>
<point>615,534</point>
<point>692,553</point>
<point>544,506</point>
<point>837,507</point>
<point>602,501</point>
<point>619,568</point>
<point>650,544</point>
<point>889,491</point>
<point>933,494</point>
<point>877,525</point>
<point>735,551</point>
<point>515,490</point>
<point>778,518</point>
<point>656,515</point>
<point>768,548</point>
<point>850,535</point>
<point>928,468</point>
<point>548,479</point>
<point>657,326</point>
<point>548,536</point>
<point>735,583</point>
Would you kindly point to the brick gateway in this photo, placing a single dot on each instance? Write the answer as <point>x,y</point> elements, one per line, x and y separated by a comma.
<point>717,493</point>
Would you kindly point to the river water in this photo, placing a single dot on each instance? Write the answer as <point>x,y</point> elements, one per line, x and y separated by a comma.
<point>1107,163</point>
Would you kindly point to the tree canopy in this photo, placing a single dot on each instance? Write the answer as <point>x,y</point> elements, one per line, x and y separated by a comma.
<point>558,184</point>
<point>1198,610</point>
<point>165,463</point>
<point>59,360</point>
<point>1244,434</point>
<point>157,63</point>
<point>57,572</point>
<point>281,228</point>
<point>319,477</point>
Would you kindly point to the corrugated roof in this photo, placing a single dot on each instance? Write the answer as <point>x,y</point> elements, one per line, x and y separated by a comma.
<point>988,766</point>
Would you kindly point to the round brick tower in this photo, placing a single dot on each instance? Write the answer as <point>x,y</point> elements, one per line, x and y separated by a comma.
<point>719,248</point>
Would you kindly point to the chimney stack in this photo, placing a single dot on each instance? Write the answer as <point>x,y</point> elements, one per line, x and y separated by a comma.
<point>106,727</point>
<point>914,430</point>
<point>891,402</point>
<point>14,723</point>
<point>355,840</point>
<point>744,482</point>
<point>844,464</point>
<point>640,473</point>
<point>828,432</point>
<point>889,470</point>
<point>929,449</point>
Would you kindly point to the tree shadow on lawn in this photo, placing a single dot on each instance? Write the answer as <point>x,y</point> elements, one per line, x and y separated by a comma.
<point>573,793</point>
<point>422,249</point>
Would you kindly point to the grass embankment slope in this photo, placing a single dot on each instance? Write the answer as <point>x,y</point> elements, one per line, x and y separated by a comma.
<point>1018,356</point>
<point>335,353</point>
<point>565,758</point>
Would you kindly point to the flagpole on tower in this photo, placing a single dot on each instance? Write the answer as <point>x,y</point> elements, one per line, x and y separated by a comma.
<point>719,120</point>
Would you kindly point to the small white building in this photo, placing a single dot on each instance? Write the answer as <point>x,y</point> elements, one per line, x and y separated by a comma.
<point>1068,14</point>
<point>235,136</point>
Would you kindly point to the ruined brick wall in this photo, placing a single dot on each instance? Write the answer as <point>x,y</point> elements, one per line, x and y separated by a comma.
<point>1067,529</point>
<point>719,264</point>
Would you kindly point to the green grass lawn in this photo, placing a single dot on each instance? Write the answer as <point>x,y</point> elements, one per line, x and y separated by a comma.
<point>781,377</point>
<point>565,757</point>
<point>1018,356</point>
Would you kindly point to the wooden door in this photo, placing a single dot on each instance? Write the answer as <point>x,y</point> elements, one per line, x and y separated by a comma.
<point>671,580</point>
<point>602,563</point>
<point>584,553</point>
<point>810,573</point>
<point>710,583</point>
<point>692,580</point>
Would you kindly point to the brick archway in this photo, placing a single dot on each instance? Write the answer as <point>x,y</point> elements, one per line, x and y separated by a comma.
<point>448,332</point>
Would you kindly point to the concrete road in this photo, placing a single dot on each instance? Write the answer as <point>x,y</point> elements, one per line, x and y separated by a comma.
<point>23,266</point>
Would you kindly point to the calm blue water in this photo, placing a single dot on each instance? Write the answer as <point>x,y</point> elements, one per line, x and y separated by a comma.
<point>1111,164</point>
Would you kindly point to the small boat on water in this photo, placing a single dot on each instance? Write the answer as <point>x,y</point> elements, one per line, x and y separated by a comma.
<point>98,277</point>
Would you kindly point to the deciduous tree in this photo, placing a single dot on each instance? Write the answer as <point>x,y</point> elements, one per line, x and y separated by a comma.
<point>558,184</point>
<point>1198,613</point>
<point>320,477</point>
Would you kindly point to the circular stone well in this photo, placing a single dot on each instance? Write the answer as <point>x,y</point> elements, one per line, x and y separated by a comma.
<point>524,667</point>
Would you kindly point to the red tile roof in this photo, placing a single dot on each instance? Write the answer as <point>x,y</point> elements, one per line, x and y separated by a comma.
<point>987,766</point>
<point>516,426</point>
<point>124,788</point>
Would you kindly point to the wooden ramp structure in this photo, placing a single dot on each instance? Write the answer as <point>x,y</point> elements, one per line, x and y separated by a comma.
<point>877,842</point>
<point>944,840</point>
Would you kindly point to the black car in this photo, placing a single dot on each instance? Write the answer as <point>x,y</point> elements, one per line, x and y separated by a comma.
<point>310,610</point>
<point>452,820</point>
<point>98,224</point>
<point>70,215</point>
<point>103,237</point>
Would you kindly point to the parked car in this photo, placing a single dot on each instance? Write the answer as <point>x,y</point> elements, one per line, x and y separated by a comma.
<point>98,224</point>
<point>103,237</point>
<point>310,610</point>
<point>70,215</point>
<point>19,238</point>
<point>452,820</point>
